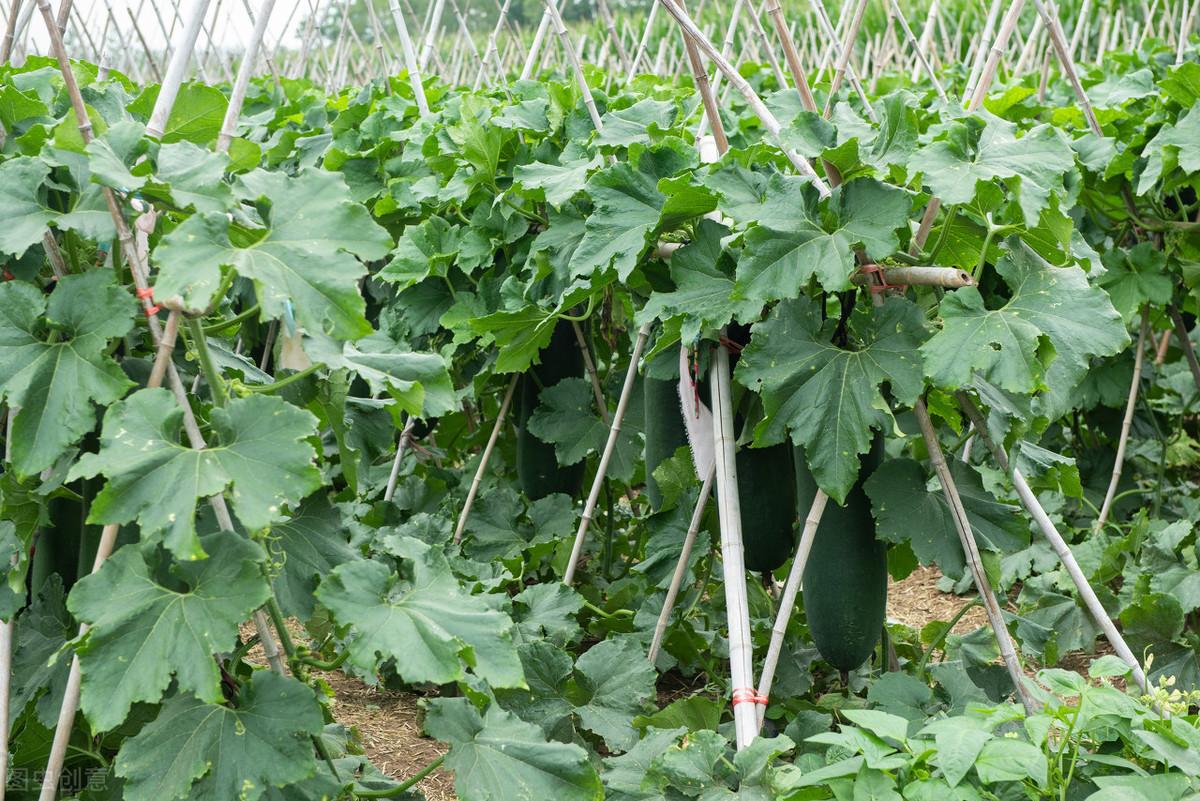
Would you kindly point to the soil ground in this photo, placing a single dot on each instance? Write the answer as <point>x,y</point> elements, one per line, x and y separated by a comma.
<point>389,723</point>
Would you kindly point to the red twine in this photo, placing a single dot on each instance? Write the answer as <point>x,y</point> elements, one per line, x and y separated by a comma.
<point>748,695</point>
<point>883,285</point>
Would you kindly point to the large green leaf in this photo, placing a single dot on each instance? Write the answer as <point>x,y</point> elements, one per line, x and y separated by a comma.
<point>829,398</point>
<point>305,253</point>
<point>818,241</point>
<point>41,631</point>
<point>153,620</point>
<point>974,152</point>
<point>423,620</point>
<point>27,213</point>
<point>259,451</point>
<point>1042,336</point>
<point>566,417</point>
<point>211,752</point>
<point>1136,277</point>
<point>498,757</point>
<point>908,511</point>
<point>55,371</point>
<point>703,299</point>
<point>313,542</point>
<point>609,685</point>
<point>1173,147</point>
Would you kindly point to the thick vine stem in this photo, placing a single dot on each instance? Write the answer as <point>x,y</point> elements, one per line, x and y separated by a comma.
<point>971,551</point>
<point>461,526</point>
<point>788,602</point>
<point>1056,540</point>
<point>685,555</point>
<point>1126,423</point>
<point>610,445</point>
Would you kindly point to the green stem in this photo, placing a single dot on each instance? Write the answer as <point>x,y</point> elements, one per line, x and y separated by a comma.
<point>224,325</point>
<point>586,312</point>
<point>325,667</point>
<point>944,236</point>
<point>406,785</point>
<point>275,386</point>
<point>216,384</point>
<point>608,615</point>
<point>222,288</point>
<point>941,638</point>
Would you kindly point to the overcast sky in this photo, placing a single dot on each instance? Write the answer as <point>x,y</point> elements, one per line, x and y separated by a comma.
<point>228,21</point>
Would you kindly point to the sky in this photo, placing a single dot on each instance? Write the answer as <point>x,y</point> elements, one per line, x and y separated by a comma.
<point>232,22</point>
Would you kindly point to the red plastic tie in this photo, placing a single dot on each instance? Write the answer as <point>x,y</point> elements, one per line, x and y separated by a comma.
<point>748,695</point>
<point>8,276</point>
<point>148,294</point>
<point>730,345</point>
<point>883,285</point>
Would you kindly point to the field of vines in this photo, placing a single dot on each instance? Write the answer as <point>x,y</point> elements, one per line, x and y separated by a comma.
<point>591,392</point>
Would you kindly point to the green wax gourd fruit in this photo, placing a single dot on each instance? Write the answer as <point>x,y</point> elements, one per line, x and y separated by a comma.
<point>538,470</point>
<point>767,497</point>
<point>846,579</point>
<point>664,428</point>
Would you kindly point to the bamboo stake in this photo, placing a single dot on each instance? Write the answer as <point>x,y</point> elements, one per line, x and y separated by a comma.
<point>564,39</point>
<point>431,29</point>
<point>483,461</point>
<point>700,77</point>
<point>1126,423</point>
<point>982,50</point>
<point>790,55</point>
<point>912,40</point>
<point>1060,546</point>
<point>531,59</point>
<point>607,17</point>
<point>7,634</point>
<point>843,56</point>
<point>176,68</point>
<point>756,23</point>
<point>249,59</point>
<point>394,476</point>
<point>788,602</point>
<point>685,555</point>
<point>614,432</point>
<point>10,29</point>
<point>847,48</point>
<point>741,669</point>
<point>755,102</point>
<point>971,551</point>
<point>1185,342</point>
<point>590,367</point>
<point>645,40</point>
<point>410,58</point>
<point>926,41</point>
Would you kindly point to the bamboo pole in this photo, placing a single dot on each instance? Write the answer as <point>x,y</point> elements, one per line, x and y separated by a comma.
<point>995,616</point>
<point>755,102</point>
<point>790,54</point>
<point>917,50</point>
<point>483,461</point>
<point>410,58</point>
<point>393,477</point>
<point>685,555</point>
<point>564,39</point>
<point>431,29</point>
<point>843,55</point>
<point>1185,342</point>
<point>788,602</point>
<point>176,68</point>
<point>10,29</point>
<point>245,70</point>
<point>741,669</point>
<point>645,40</point>
<point>1057,543</point>
<point>982,50</point>
<point>772,59</point>
<point>1126,423</point>
<point>614,432</point>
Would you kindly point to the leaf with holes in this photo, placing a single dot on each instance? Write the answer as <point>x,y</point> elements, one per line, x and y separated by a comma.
<point>260,453</point>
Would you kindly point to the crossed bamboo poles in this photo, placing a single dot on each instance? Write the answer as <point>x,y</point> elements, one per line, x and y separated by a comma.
<point>695,43</point>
